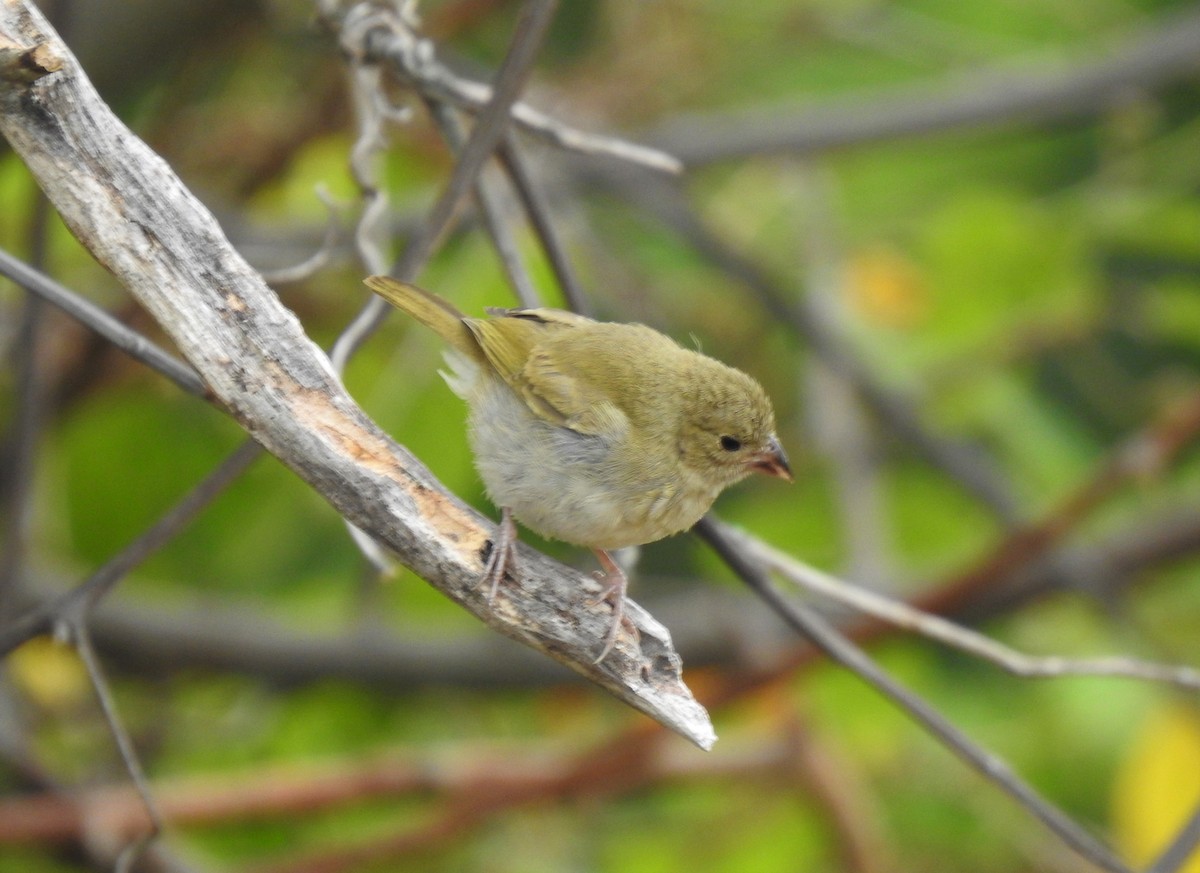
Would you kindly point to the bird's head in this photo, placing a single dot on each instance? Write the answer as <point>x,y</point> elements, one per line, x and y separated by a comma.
<point>728,428</point>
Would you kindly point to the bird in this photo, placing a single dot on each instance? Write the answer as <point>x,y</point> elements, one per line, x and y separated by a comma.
<point>600,434</point>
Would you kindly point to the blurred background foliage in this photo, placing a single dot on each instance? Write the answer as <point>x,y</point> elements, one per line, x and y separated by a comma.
<point>1033,289</point>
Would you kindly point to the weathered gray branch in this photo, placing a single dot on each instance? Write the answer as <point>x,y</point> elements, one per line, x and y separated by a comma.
<point>136,217</point>
<point>1035,92</point>
<point>382,36</point>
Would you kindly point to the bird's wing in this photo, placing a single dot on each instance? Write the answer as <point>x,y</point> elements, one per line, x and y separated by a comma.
<point>559,393</point>
<point>551,318</point>
<point>530,350</point>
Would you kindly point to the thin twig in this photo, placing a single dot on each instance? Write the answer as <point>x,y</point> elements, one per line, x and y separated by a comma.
<point>1181,848</point>
<point>95,318</point>
<point>1027,92</point>
<point>82,644</point>
<point>839,648</point>
<point>319,259</point>
<point>537,208</point>
<point>492,208</point>
<point>900,614</point>
<point>18,462</point>
<point>29,402</point>
<point>413,60</point>
<point>43,618</point>
<point>371,231</point>
<point>68,616</point>
<point>489,129</point>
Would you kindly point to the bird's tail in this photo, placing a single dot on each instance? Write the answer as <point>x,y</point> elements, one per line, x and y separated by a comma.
<point>437,314</point>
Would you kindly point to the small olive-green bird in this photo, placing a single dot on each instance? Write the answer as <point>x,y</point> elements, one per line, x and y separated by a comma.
<point>599,434</point>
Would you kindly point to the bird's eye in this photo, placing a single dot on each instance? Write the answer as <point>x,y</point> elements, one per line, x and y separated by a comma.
<point>730,444</point>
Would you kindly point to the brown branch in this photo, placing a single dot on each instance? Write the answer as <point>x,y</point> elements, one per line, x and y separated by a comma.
<point>490,776</point>
<point>842,799</point>
<point>1142,456</point>
<point>136,217</point>
<point>483,794</point>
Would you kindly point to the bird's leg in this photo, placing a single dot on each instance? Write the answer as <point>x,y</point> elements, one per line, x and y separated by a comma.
<point>504,553</point>
<point>614,592</point>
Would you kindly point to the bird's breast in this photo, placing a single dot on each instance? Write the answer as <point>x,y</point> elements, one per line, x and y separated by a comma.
<point>580,488</point>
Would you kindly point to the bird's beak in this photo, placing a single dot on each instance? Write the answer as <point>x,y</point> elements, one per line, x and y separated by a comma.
<point>772,461</point>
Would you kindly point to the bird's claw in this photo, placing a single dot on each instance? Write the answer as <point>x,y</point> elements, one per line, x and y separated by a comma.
<point>614,593</point>
<point>503,558</point>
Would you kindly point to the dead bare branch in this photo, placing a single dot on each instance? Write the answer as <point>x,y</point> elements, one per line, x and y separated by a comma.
<point>377,33</point>
<point>132,212</point>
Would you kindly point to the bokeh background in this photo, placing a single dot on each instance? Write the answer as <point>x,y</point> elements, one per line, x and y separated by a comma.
<point>986,214</point>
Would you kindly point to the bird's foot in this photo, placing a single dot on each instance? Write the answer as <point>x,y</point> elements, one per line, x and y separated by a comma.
<point>614,593</point>
<point>503,559</point>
